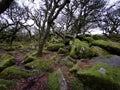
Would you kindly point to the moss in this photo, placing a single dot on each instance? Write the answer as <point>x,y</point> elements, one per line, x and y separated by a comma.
<point>89,39</point>
<point>80,49</point>
<point>29,58</point>
<point>14,73</point>
<point>76,84</point>
<point>54,47</point>
<point>75,68</point>
<point>67,63</point>
<point>76,46</point>
<point>99,51</point>
<point>54,59</point>
<point>7,60</point>
<point>54,80</point>
<point>93,78</point>
<point>62,51</point>
<point>112,47</point>
<point>7,84</point>
<point>39,64</point>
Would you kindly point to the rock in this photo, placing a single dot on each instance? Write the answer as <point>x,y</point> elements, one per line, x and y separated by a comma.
<point>14,72</point>
<point>111,60</point>
<point>100,77</point>
<point>112,47</point>
<point>7,60</point>
<point>80,49</point>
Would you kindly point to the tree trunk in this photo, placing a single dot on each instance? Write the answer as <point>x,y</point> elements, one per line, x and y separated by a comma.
<point>42,40</point>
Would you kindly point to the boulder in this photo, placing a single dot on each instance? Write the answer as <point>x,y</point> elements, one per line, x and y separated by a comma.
<point>14,72</point>
<point>100,77</point>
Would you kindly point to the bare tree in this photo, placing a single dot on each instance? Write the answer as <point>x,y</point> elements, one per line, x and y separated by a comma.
<point>44,19</point>
<point>83,14</point>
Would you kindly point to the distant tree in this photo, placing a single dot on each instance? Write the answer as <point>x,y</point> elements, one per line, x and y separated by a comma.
<point>14,19</point>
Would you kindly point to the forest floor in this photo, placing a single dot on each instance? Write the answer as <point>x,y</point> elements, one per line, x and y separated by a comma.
<point>39,82</point>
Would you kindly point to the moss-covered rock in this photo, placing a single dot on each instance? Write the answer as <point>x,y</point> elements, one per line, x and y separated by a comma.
<point>39,64</point>
<point>100,77</point>
<point>14,72</point>
<point>75,67</point>
<point>112,47</point>
<point>111,60</point>
<point>54,47</point>
<point>7,60</point>
<point>6,84</point>
<point>54,80</point>
<point>99,51</point>
<point>80,49</point>
<point>76,84</point>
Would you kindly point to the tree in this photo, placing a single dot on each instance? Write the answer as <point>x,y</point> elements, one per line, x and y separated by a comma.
<point>44,19</point>
<point>84,14</point>
<point>110,21</point>
<point>4,4</point>
<point>14,18</point>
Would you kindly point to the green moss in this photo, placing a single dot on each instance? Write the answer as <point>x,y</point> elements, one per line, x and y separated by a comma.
<point>62,51</point>
<point>54,47</point>
<point>75,84</point>
<point>39,64</point>
<point>99,51</point>
<point>112,47</point>
<point>75,68</point>
<point>80,49</point>
<point>76,46</point>
<point>14,73</point>
<point>54,80</point>
<point>89,39</point>
<point>29,58</point>
<point>7,60</point>
<point>54,59</point>
<point>7,84</point>
<point>93,78</point>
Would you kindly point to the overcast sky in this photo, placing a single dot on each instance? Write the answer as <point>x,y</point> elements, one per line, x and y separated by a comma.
<point>35,5</point>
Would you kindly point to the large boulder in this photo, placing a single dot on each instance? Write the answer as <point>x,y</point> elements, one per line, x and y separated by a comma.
<point>14,72</point>
<point>111,60</point>
<point>100,77</point>
<point>80,49</point>
<point>112,47</point>
<point>39,64</point>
